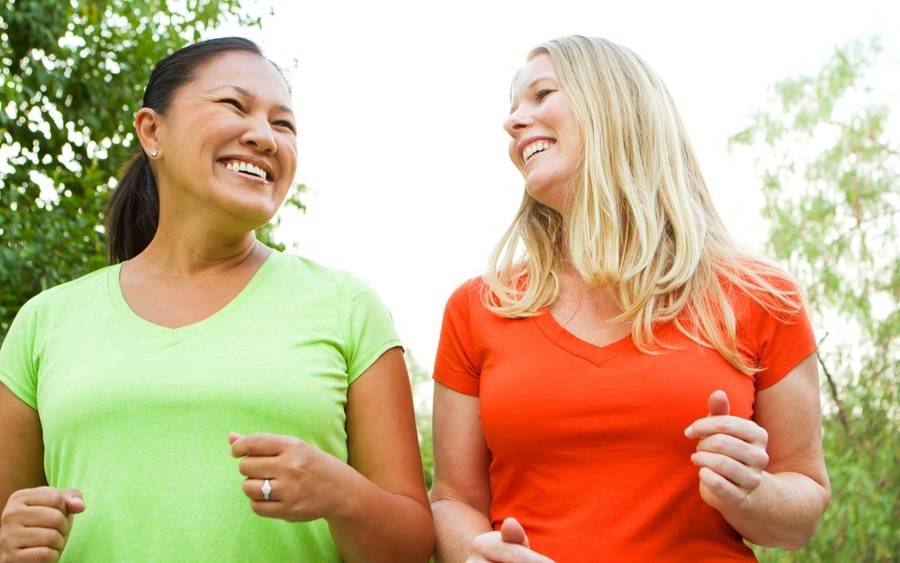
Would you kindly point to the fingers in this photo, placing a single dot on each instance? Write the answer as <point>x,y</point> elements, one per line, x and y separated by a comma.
<point>38,537</point>
<point>513,532</point>
<point>253,489</point>
<point>42,496</point>
<point>269,508</point>
<point>749,454</point>
<point>718,403</point>
<point>740,428</point>
<point>36,522</point>
<point>66,500</point>
<point>44,517</point>
<point>74,501</point>
<point>723,489</point>
<point>491,546</point>
<point>738,473</point>
<point>40,554</point>
<point>265,445</point>
<point>258,467</point>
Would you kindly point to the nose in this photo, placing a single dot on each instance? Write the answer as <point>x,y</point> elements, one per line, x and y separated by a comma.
<point>517,121</point>
<point>260,136</point>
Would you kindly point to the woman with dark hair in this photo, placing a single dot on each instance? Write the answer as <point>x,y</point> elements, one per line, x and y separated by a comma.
<point>120,389</point>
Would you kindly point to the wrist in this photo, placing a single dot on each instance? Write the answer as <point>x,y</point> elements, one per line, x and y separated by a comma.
<point>348,491</point>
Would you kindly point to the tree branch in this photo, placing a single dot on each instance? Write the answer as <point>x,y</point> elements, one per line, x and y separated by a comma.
<point>832,388</point>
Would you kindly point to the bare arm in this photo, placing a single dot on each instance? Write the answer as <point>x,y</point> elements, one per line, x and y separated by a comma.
<point>21,446</point>
<point>795,490</point>
<point>388,517</point>
<point>790,490</point>
<point>461,496</point>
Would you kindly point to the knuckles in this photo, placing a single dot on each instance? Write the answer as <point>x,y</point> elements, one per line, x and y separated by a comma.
<point>244,466</point>
<point>297,461</point>
<point>715,443</point>
<point>484,544</point>
<point>755,480</point>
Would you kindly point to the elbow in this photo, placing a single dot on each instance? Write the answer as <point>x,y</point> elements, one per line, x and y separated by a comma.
<point>799,540</point>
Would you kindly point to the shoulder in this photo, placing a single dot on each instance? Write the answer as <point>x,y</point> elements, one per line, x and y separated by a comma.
<point>773,325</point>
<point>761,292</point>
<point>473,288</point>
<point>302,272</point>
<point>71,293</point>
<point>469,298</point>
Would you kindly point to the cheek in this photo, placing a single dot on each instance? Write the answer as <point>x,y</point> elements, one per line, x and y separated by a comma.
<point>288,153</point>
<point>511,152</point>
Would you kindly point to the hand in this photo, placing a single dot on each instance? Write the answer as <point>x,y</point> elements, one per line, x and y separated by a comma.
<point>36,522</point>
<point>509,545</point>
<point>731,454</point>
<point>306,482</point>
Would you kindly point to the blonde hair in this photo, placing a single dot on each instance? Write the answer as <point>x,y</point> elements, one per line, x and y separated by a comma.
<point>639,217</point>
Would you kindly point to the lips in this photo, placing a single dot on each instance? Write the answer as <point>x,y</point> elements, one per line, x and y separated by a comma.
<point>529,147</point>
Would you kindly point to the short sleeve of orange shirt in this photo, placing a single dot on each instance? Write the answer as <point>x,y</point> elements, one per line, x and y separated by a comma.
<point>586,442</point>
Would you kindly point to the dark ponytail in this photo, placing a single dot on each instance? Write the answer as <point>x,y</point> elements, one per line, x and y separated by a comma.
<point>132,214</point>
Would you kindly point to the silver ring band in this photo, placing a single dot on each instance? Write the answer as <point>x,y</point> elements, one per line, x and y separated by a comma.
<point>266,489</point>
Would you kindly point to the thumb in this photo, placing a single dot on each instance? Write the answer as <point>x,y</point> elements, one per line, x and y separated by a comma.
<point>74,501</point>
<point>513,532</point>
<point>718,403</point>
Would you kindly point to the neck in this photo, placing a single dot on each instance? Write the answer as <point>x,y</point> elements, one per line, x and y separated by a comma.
<point>189,249</point>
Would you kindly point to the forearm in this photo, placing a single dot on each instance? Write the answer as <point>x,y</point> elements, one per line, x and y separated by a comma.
<point>456,524</point>
<point>782,512</point>
<point>376,525</point>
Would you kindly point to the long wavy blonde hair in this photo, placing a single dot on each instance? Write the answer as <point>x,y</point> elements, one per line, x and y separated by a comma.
<point>638,215</point>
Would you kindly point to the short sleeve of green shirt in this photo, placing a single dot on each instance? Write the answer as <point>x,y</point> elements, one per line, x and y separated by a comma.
<point>366,325</point>
<point>18,371</point>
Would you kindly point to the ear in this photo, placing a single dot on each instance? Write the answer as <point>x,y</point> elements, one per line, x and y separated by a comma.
<point>147,125</point>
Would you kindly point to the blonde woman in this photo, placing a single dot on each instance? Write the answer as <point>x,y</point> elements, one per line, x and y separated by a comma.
<point>633,386</point>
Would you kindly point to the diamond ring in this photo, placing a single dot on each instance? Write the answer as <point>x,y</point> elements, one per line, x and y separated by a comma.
<point>266,489</point>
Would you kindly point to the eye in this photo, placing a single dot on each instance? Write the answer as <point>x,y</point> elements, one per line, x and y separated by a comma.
<point>233,102</point>
<point>543,94</point>
<point>286,124</point>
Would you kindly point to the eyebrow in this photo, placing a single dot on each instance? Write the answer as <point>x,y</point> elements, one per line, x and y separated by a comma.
<point>250,94</point>
<point>515,105</point>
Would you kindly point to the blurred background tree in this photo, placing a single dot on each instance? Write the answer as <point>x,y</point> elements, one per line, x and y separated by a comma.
<point>831,180</point>
<point>72,74</point>
<point>420,378</point>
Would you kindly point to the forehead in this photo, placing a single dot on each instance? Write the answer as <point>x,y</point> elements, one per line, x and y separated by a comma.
<point>537,68</point>
<point>246,70</point>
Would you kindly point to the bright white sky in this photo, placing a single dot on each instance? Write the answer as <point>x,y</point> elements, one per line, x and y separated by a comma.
<point>400,106</point>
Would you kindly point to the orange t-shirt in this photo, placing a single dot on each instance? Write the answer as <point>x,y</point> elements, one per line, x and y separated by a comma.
<point>587,443</point>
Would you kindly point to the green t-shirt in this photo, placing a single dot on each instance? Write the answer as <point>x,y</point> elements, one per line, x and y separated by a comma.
<point>136,415</point>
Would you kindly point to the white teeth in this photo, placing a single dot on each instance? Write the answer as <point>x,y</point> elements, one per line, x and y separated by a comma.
<point>241,166</point>
<point>535,148</point>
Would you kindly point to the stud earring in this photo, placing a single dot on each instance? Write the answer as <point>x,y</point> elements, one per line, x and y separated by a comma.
<point>154,152</point>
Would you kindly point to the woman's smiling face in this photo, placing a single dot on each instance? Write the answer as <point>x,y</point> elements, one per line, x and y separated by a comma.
<point>228,141</point>
<point>545,144</point>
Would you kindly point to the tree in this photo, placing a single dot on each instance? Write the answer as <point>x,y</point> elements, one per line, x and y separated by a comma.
<point>831,179</point>
<point>420,380</point>
<point>72,74</point>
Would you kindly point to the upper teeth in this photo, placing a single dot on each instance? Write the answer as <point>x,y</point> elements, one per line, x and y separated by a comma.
<point>536,147</point>
<point>241,166</point>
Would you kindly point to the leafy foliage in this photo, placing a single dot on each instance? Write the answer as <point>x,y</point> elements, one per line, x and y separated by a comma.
<point>831,179</point>
<point>72,74</point>
<point>420,379</point>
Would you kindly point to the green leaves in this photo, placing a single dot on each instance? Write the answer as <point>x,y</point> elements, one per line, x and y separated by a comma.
<point>72,75</point>
<point>831,181</point>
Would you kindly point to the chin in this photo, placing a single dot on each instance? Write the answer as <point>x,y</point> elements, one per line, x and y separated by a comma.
<point>548,194</point>
<point>253,214</point>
